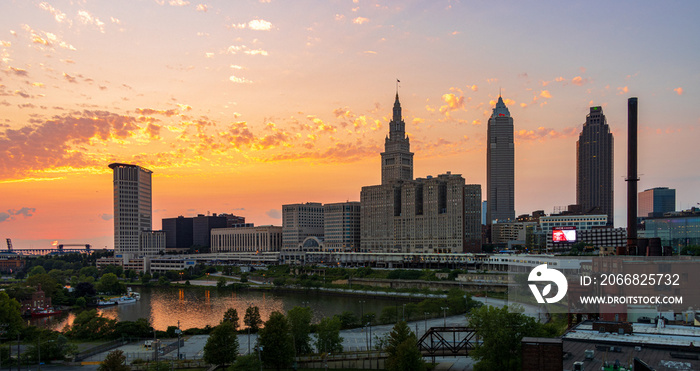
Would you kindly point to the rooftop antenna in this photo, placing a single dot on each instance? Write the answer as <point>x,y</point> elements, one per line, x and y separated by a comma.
<point>397,86</point>
<point>499,92</point>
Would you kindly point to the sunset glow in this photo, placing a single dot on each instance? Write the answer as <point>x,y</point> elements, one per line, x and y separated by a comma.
<point>242,106</point>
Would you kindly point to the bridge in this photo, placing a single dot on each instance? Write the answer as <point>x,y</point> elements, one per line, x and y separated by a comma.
<point>448,342</point>
<point>58,249</point>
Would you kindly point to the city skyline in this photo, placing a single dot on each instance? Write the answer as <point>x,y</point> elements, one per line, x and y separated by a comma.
<point>244,107</point>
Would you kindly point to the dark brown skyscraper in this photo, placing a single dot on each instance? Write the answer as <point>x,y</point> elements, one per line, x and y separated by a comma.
<point>397,158</point>
<point>500,165</point>
<point>594,165</point>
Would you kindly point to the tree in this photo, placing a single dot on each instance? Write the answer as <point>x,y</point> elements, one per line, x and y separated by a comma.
<point>276,342</point>
<point>89,325</point>
<point>388,315</point>
<point>37,270</point>
<point>328,335</point>
<point>146,278</point>
<point>231,315</point>
<point>402,349</point>
<point>252,318</point>
<point>83,289</point>
<point>300,323</point>
<point>221,283</point>
<point>115,361</point>
<point>109,283</point>
<point>501,331</point>
<point>348,319</point>
<point>47,283</point>
<point>10,314</point>
<point>248,362</point>
<point>222,346</point>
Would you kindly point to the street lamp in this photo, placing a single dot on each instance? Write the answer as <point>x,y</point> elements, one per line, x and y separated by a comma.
<point>362,310</point>
<point>403,313</point>
<point>444,316</point>
<point>425,320</point>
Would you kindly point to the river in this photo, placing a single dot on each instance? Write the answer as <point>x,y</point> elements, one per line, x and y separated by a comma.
<point>198,307</point>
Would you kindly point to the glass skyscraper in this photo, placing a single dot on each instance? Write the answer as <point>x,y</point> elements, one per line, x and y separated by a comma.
<point>500,166</point>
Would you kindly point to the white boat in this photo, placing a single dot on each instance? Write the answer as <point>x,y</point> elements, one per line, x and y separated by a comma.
<point>124,300</point>
<point>105,303</point>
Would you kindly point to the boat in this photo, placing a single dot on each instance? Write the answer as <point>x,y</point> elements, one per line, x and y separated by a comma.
<point>44,312</point>
<point>124,300</point>
<point>106,303</point>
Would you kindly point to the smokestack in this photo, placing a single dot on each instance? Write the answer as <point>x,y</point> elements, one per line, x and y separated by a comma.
<point>632,178</point>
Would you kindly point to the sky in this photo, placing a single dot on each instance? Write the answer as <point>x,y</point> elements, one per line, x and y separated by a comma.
<point>243,106</point>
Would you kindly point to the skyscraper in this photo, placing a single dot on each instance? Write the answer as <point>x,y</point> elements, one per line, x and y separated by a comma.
<point>132,206</point>
<point>397,158</point>
<point>594,166</point>
<point>656,201</point>
<point>500,165</point>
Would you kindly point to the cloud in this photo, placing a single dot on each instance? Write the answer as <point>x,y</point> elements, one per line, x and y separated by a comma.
<point>622,90</point>
<point>240,80</point>
<point>542,134</point>
<point>86,18</point>
<point>106,216</point>
<point>178,3</point>
<point>255,25</point>
<point>453,101</point>
<point>59,16</point>
<point>337,153</point>
<point>274,213</point>
<point>69,78</point>
<point>234,49</point>
<point>51,143</point>
<point>46,39</point>
<point>545,94</point>
<point>150,111</point>
<point>360,20</point>
<point>202,7</point>
<point>678,90</point>
<point>10,214</point>
<point>578,80</point>
<point>17,71</point>
<point>473,87</point>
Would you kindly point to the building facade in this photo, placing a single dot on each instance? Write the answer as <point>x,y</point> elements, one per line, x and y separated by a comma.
<point>264,238</point>
<point>178,233</point>
<point>132,206</point>
<point>579,222</point>
<point>655,202</point>
<point>472,218</point>
<point>594,166</point>
<point>202,225</point>
<point>678,230</point>
<point>300,221</point>
<point>500,165</point>
<point>342,226</point>
<point>151,243</point>
<point>397,158</point>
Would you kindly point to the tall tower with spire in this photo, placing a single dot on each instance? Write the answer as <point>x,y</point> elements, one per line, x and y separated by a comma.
<point>397,158</point>
<point>500,165</point>
<point>594,166</point>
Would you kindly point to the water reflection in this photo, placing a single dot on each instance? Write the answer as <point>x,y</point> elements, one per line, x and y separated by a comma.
<point>198,307</point>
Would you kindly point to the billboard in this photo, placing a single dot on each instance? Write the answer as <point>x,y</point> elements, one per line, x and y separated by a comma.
<point>564,234</point>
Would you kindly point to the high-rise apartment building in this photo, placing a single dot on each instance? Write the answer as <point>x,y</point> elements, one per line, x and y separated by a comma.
<point>132,206</point>
<point>300,221</point>
<point>397,158</point>
<point>500,165</point>
<point>594,166</point>
<point>341,226</point>
<point>653,203</point>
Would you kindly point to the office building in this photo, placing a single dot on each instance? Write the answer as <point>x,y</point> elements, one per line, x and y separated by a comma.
<point>500,165</point>
<point>397,158</point>
<point>178,232</point>
<point>132,206</point>
<point>151,243</point>
<point>300,221</point>
<point>342,226</point>
<point>655,202</point>
<point>677,230</point>
<point>202,226</point>
<point>472,218</point>
<point>594,166</point>
<point>264,238</point>
<point>424,215</point>
<point>578,222</point>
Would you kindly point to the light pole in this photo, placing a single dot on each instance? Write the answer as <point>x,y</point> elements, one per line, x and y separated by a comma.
<point>260,349</point>
<point>403,313</point>
<point>179,332</point>
<point>444,316</point>
<point>362,310</point>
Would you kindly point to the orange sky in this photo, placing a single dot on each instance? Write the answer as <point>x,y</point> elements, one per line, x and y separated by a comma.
<point>244,106</point>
